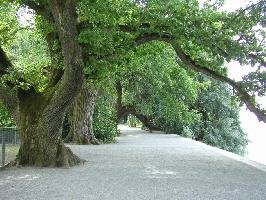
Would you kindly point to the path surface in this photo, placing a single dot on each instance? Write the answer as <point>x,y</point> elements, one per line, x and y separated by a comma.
<point>141,166</point>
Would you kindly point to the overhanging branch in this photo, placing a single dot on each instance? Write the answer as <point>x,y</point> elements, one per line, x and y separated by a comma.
<point>5,63</point>
<point>243,95</point>
<point>39,9</point>
<point>7,96</point>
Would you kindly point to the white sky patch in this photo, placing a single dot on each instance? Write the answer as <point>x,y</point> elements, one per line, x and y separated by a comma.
<point>236,71</point>
<point>256,130</point>
<point>25,17</point>
<point>232,5</point>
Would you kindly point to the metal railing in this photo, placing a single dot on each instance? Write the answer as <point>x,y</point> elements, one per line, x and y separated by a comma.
<point>9,144</point>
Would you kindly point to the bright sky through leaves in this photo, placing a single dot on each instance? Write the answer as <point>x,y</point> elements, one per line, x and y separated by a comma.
<point>256,131</point>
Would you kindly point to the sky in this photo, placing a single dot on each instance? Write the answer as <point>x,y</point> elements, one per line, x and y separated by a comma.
<point>231,5</point>
<point>256,130</point>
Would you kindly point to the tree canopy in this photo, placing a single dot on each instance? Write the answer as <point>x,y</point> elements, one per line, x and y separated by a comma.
<point>204,38</point>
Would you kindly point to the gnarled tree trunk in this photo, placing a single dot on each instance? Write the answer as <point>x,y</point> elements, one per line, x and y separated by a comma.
<point>40,140</point>
<point>39,116</point>
<point>81,129</point>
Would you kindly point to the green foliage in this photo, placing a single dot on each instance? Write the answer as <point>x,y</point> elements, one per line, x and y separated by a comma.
<point>29,54</point>
<point>8,22</point>
<point>25,47</point>
<point>219,124</point>
<point>104,126</point>
<point>102,19</point>
<point>177,101</point>
<point>226,134</point>
<point>5,118</point>
<point>158,86</point>
<point>254,82</point>
<point>133,121</point>
<point>207,35</point>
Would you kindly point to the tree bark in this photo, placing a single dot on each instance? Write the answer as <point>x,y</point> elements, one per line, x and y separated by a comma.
<point>52,105</point>
<point>38,146</point>
<point>119,108</point>
<point>81,131</point>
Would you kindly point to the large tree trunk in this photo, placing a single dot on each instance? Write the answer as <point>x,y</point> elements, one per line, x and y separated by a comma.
<point>40,115</point>
<point>40,141</point>
<point>119,107</point>
<point>81,131</point>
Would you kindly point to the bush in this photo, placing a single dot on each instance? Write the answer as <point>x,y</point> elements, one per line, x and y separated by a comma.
<point>105,127</point>
<point>5,118</point>
<point>219,125</point>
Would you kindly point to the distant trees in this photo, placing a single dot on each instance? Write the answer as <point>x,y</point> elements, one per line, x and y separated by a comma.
<point>165,97</point>
<point>219,123</point>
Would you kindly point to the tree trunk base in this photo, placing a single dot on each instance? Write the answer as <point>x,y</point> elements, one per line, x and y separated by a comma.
<point>64,157</point>
<point>80,139</point>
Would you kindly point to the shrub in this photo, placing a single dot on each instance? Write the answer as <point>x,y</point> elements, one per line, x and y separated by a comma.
<point>105,126</point>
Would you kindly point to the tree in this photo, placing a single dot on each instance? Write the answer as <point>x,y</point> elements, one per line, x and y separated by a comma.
<point>81,126</point>
<point>82,33</point>
<point>157,89</point>
<point>219,125</point>
<point>155,93</point>
<point>39,115</point>
<point>83,119</point>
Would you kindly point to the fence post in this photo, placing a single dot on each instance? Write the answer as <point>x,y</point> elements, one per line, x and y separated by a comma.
<point>3,150</point>
<point>15,137</point>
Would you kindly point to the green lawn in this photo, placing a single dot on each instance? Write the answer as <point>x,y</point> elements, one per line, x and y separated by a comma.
<point>11,152</point>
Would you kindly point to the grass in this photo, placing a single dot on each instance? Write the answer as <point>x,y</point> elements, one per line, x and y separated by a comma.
<point>11,152</point>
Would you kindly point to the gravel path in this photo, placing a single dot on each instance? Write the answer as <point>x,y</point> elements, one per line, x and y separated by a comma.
<point>141,166</point>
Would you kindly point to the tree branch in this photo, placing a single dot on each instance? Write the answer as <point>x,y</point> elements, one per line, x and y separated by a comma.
<point>242,11</point>
<point>39,9</point>
<point>130,109</point>
<point>65,17</point>
<point>243,95</point>
<point>7,96</point>
<point>56,68</point>
<point>5,63</point>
